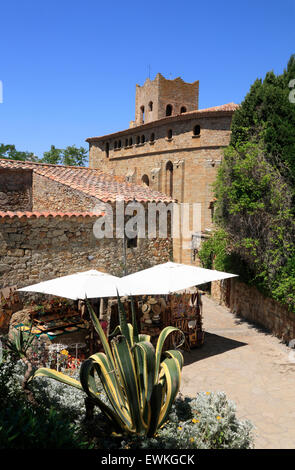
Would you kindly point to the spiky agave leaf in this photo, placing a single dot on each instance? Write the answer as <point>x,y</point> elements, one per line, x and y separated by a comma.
<point>134,322</point>
<point>171,372</point>
<point>127,370</point>
<point>20,342</point>
<point>59,376</point>
<point>160,343</point>
<point>125,330</point>
<point>89,385</point>
<point>101,333</point>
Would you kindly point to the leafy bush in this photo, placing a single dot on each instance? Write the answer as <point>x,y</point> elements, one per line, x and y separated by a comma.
<point>11,374</point>
<point>213,252</point>
<point>23,426</point>
<point>256,233</point>
<point>192,422</point>
<point>207,421</point>
<point>267,114</point>
<point>255,192</point>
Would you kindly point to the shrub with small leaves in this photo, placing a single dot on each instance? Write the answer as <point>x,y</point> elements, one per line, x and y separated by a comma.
<point>208,421</point>
<point>23,426</point>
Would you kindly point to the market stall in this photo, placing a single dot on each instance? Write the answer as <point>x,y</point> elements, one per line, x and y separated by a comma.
<point>64,319</point>
<point>153,313</point>
<point>174,284</point>
<point>164,295</point>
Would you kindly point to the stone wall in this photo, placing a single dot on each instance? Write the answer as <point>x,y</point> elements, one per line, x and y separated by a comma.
<point>49,195</point>
<point>247,302</point>
<point>15,190</point>
<point>34,249</point>
<point>161,92</point>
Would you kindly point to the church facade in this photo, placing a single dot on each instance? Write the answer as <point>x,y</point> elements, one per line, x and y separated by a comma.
<point>172,146</point>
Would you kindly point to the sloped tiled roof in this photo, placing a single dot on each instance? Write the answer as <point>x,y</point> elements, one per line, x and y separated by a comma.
<point>92,182</point>
<point>224,109</point>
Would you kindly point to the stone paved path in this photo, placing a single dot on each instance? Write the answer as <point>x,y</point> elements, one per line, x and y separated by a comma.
<point>252,367</point>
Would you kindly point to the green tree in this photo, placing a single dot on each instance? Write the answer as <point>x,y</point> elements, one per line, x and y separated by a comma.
<point>255,190</point>
<point>71,155</point>
<point>267,114</point>
<point>53,156</point>
<point>10,152</point>
<point>74,156</point>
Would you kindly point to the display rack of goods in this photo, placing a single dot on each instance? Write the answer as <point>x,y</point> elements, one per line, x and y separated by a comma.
<point>186,314</point>
<point>54,307</point>
<point>9,303</point>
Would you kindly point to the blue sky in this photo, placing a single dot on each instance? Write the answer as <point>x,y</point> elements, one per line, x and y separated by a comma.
<point>69,68</point>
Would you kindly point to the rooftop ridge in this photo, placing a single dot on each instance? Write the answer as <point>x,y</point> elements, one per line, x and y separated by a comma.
<point>37,214</point>
<point>28,162</point>
<point>225,108</point>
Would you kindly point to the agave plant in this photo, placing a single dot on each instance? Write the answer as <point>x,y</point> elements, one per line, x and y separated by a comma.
<point>20,342</point>
<point>140,381</point>
<point>18,345</point>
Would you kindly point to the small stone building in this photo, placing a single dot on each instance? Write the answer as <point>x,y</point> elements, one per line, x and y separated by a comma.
<point>47,216</point>
<point>172,147</point>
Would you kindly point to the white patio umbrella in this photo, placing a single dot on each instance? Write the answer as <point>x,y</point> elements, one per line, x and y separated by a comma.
<point>167,278</point>
<point>90,284</point>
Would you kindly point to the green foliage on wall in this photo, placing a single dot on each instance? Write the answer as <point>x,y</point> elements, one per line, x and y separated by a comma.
<point>255,189</point>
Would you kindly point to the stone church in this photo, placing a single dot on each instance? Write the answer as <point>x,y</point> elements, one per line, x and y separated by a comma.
<point>172,146</point>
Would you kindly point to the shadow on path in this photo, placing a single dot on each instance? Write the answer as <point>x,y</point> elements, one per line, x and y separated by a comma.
<point>213,345</point>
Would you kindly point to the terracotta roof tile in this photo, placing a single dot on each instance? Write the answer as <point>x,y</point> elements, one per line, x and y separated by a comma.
<point>224,107</point>
<point>92,182</point>
<point>37,215</point>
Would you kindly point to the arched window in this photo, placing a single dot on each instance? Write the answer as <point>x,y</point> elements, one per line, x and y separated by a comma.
<point>119,144</point>
<point>150,106</point>
<point>169,134</point>
<point>130,142</point>
<point>142,114</point>
<point>115,144</point>
<point>142,139</point>
<point>138,139</point>
<point>197,130</point>
<point>126,142</point>
<point>169,179</point>
<point>107,149</point>
<point>169,110</point>
<point>182,109</point>
<point>152,137</point>
<point>145,179</point>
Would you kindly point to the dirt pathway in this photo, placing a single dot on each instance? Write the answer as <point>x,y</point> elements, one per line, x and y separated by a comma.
<point>253,368</point>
